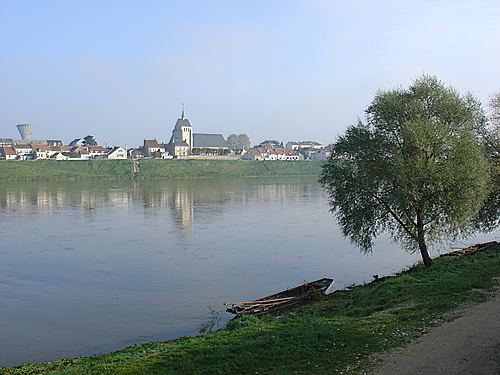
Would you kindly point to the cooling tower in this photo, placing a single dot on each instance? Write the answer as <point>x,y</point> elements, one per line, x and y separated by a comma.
<point>25,130</point>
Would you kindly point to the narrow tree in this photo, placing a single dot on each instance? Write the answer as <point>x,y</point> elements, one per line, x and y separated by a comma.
<point>244,141</point>
<point>414,169</point>
<point>232,141</point>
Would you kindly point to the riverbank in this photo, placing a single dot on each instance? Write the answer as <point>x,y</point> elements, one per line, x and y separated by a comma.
<point>51,170</point>
<point>335,335</point>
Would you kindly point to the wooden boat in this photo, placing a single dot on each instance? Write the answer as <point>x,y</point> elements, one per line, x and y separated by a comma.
<point>472,249</point>
<point>279,300</point>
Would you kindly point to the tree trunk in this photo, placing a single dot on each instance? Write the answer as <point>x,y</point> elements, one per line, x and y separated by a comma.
<point>425,254</point>
<point>421,242</point>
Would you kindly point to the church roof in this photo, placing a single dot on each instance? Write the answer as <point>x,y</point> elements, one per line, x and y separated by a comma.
<point>177,142</point>
<point>182,122</point>
<point>208,140</point>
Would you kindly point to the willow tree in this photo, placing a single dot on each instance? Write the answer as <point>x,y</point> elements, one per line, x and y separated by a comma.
<point>414,168</point>
<point>488,217</point>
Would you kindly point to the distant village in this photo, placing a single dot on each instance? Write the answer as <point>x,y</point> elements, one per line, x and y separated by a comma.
<point>183,144</point>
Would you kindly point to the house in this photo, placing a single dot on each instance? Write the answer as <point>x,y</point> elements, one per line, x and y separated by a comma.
<point>136,153</point>
<point>43,151</point>
<point>59,156</point>
<point>77,142</point>
<point>311,145</point>
<point>97,152</point>
<point>209,144</point>
<point>151,147</point>
<point>6,142</point>
<point>54,142</point>
<point>117,153</point>
<point>322,154</point>
<point>271,153</point>
<point>24,151</point>
<point>8,153</point>
<point>270,143</point>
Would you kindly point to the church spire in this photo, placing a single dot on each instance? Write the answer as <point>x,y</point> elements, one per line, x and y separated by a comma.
<point>182,114</point>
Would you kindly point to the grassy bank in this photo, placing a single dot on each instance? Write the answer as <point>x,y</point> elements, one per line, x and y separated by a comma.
<point>50,170</point>
<point>330,336</point>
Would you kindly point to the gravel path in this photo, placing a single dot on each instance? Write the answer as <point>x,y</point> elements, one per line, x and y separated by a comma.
<point>469,345</point>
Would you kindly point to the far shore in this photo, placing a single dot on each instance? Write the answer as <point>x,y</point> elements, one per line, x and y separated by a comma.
<point>51,170</point>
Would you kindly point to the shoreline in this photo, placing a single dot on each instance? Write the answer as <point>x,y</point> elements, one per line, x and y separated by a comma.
<point>151,169</point>
<point>337,333</point>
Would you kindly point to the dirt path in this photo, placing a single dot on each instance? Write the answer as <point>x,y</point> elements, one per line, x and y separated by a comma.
<point>469,345</point>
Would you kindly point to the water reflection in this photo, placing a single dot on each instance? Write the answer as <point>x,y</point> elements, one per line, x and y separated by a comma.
<point>184,200</point>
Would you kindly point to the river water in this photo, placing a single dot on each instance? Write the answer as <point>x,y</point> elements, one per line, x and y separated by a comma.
<point>90,267</point>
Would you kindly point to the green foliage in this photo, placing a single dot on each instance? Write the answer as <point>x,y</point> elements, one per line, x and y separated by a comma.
<point>45,170</point>
<point>328,336</point>
<point>186,168</point>
<point>238,142</point>
<point>90,140</point>
<point>415,169</point>
<point>488,217</point>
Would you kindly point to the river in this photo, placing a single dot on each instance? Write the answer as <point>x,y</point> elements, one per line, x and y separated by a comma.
<point>90,267</point>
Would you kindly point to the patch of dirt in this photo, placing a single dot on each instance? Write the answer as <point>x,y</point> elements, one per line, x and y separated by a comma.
<point>468,345</point>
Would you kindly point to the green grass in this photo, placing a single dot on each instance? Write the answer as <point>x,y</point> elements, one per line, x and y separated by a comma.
<point>333,335</point>
<point>48,170</point>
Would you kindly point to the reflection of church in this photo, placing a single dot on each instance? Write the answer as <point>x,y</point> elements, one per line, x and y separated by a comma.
<point>184,142</point>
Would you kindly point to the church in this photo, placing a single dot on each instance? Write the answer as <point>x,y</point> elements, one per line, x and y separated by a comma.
<point>184,142</point>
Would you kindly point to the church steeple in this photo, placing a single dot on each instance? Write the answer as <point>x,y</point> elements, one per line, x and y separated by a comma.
<point>182,114</point>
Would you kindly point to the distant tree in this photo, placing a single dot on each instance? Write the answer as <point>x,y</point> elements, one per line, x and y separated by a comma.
<point>232,142</point>
<point>414,169</point>
<point>243,141</point>
<point>90,140</point>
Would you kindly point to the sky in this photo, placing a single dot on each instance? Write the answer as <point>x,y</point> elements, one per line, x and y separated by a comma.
<point>274,69</point>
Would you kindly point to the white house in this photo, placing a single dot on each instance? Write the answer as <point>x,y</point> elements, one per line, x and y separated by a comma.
<point>304,145</point>
<point>24,151</point>
<point>271,153</point>
<point>117,153</point>
<point>59,156</point>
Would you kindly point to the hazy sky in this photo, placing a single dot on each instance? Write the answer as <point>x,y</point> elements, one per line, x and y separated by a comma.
<point>286,70</point>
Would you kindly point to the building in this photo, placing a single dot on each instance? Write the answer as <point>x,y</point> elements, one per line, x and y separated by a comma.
<point>322,154</point>
<point>54,142</point>
<point>59,156</point>
<point>272,153</point>
<point>25,130</point>
<point>304,145</point>
<point>184,142</point>
<point>8,153</point>
<point>24,151</point>
<point>117,153</point>
<point>43,151</point>
<point>270,143</point>
<point>6,141</point>
<point>181,141</point>
<point>151,147</point>
<point>209,144</point>
<point>77,142</point>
